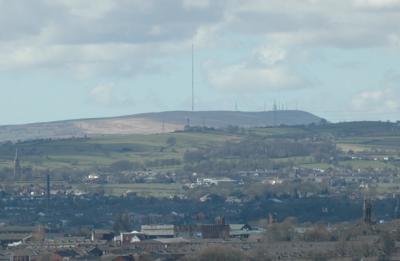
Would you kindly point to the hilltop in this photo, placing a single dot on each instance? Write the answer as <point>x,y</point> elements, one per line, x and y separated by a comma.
<point>151,123</point>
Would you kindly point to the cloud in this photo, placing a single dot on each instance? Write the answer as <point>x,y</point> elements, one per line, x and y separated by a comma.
<point>105,36</point>
<point>196,3</point>
<point>270,56</point>
<point>265,69</point>
<point>379,100</point>
<point>240,77</point>
<point>99,36</point>
<point>383,101</point>
<point>82,60</point>
<point>109,95</point>
<point>313,23</point>
<point>377,4</point>
<point>105,21</point>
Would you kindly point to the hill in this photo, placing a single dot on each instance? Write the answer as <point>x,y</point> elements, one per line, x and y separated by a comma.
<point>151,123</point>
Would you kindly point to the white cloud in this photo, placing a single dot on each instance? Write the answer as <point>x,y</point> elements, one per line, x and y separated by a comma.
<point>109,95</point>
<point>328,23</point>
<point>90,9</point>
<point>104,35</point>
<point>241,77</point>
<point>196,3</point>
<point>102,94</point>
<point>267,68</point>
<point>270,56</point>
<point>377,4</point>
<point>394,40</point>
<point>379,100</point>
<point>93,34</point>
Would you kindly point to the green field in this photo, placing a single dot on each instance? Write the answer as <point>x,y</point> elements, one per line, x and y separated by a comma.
<point>367,164</point>
<point>106,149</point>
<point>294,160</point>
<point>277,131</point>
<point>152,151</point>
<point>153,189</point>
<point>371,143</point>
<point>323,166</point>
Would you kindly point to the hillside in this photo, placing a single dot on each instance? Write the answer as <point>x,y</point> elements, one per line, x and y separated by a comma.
<point>150,123</point>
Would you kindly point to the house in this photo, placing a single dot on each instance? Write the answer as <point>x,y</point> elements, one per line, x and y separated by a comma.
<point>158,231</point>
<point>173,244</point>
<point>207,231</point>
<point>128,238</point>
<point>95,252</point>
<point>124,258</point>
<point>15,235</point>
<point>64,255</point>
<point>102,234</point>
<point>5,257</point>
<point>214,231</point>
<point>14,239</point>
<point>17,229</point>
<point>23,255</point>
<point>219,230</point>
<point>118,258</point>
<point>242,231</point>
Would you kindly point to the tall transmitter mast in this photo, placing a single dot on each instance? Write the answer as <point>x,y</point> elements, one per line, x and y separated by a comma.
<point>192,77</point>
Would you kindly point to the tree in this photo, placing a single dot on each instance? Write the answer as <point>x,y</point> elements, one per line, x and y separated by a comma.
<point>318,233</point>
<point>387,243</point>
<point>171,141</point>
<point>124,165</point>
<point>220,254</point>
<point>122,223</point>
<point>319,256</point>
<point>283,231</point>
<point>44,257</point>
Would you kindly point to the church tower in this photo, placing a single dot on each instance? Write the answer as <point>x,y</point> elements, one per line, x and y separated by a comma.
<point>17,165</point>
<point>367,211</point>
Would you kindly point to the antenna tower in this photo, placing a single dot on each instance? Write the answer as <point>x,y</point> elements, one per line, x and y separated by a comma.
<point>192,77</point>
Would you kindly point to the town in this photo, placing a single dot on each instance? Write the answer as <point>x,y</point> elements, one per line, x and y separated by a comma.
<point>308,188</point>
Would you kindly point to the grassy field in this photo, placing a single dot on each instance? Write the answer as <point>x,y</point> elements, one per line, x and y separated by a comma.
<point>366,164</point>
<point>294,160</point>
<point>106,149</point>
<point>277,131</point>
<point>323,166</point>
<point>153,189</point>
<point>103,150</point>
<point>390,143</point>
<point>346,147</point>
<point>158,190</point>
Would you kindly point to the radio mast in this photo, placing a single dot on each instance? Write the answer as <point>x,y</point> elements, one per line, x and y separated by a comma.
<point>192,77</point>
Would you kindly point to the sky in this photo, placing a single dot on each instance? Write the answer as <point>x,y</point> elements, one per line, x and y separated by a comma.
<point>68,59</point>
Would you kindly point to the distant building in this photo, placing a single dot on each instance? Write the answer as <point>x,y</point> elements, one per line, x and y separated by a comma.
<point>128,238</point>
<point>102,234</point>
<point>123,258</point>
<point>158,231</point>
<point>242,231</point>
<point>15,235</point>
<point>65,255</point>
<point>209,231</point>
<point>95,252</point>
<point>367,211</point>
<point>214,231</point>
<point>23,255</point>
